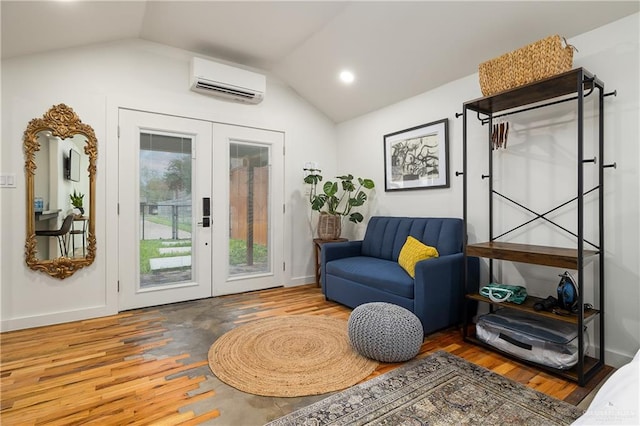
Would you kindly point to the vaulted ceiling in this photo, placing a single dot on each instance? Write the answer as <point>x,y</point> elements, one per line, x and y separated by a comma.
<point>396,49</point>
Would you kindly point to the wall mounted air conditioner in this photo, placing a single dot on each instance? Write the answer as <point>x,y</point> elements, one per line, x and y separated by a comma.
<point>216,79</point>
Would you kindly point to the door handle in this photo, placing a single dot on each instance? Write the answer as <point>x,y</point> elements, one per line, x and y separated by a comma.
<point>206,212</point>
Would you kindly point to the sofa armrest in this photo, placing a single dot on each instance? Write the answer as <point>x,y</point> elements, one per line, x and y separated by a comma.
<point>439,292</point>
<point>333,251</point>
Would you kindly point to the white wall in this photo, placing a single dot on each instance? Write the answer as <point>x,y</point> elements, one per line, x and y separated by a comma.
<point>95,81</point>
<point>542,144</point>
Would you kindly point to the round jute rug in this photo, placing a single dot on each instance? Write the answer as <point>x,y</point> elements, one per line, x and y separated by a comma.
<point>288,356</point>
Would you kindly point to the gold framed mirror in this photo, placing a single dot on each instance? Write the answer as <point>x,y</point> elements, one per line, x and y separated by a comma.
<point>60,168</point>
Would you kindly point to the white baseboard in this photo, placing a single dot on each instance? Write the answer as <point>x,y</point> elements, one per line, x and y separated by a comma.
<point>616,359</point>
<point>55,318</point>
<point>294,282</point>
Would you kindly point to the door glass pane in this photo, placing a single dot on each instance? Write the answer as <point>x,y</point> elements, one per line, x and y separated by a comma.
<point>165,209</point>
<point>249,209</point>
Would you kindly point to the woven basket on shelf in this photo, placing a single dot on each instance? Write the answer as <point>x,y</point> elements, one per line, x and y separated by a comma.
<point>544,58</point>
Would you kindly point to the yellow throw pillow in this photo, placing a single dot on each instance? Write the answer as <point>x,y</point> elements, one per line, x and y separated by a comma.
<point>413,251</point>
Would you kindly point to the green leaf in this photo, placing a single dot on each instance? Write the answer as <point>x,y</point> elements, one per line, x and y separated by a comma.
<point>318,202</point>
<point>347,185</point>
<point>330,188</point>
<point>345,177</point>
<point>358,200</point>
<point>356,217</point>
<point>367,183</point>
<point>312,179</point>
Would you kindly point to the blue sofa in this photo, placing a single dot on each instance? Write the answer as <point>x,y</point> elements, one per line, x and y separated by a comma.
<point>358,272</point>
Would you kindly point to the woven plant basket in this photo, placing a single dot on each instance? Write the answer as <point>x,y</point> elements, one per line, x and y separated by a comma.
<point>329,226</point>
<point>542,59</point>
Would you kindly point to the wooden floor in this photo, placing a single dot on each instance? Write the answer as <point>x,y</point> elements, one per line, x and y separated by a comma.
<point>101,371</point>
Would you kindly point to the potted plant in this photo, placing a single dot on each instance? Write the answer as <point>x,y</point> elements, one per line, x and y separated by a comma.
<point>76,200</point>
<point>337,199</point>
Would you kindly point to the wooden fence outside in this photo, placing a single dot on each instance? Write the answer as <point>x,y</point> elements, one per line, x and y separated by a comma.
<point>245,197</point>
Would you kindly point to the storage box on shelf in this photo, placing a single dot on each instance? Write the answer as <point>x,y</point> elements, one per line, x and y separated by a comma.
<point>530,63</point>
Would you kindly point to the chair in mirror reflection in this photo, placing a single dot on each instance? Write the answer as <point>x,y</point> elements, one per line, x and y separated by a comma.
<point>61,234</point>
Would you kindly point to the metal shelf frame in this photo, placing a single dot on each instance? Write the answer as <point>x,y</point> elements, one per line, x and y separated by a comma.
<point>571,86</point>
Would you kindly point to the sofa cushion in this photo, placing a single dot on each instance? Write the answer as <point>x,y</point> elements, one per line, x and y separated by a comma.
<point>413,251</point>
<point>382,274</point>
<point>386,235</point>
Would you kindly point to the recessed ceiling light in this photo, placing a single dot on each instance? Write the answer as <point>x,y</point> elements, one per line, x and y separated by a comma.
<point>347,77</point>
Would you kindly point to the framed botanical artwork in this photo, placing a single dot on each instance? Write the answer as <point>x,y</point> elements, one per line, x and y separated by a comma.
<point>417,158</point>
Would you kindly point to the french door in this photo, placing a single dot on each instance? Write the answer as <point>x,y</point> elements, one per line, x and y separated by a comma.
<point>197,209</point>
<point>164,173</point>
<point>248,224</point>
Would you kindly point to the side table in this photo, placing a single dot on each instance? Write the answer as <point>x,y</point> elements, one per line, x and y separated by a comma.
<point>317,244</point>
<point>82,232</point>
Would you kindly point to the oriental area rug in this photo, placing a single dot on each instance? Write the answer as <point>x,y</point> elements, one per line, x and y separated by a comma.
<point>441,389</point>
<point>288,356</point>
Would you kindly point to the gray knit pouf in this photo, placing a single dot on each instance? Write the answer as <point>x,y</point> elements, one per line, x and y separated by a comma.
<point>385,332</point>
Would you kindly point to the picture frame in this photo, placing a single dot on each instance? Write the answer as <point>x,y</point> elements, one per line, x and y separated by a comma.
<point>417,158</point>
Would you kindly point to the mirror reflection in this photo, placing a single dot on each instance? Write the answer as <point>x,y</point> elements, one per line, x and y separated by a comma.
<point>60,159</point>
<point>61,190</point>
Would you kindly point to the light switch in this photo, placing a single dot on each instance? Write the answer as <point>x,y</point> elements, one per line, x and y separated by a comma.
<point>7,180</point>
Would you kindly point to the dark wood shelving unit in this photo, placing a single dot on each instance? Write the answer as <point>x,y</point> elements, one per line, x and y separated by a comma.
<point>527,306</point>
<point>528,253</point>
<point>571,86</point>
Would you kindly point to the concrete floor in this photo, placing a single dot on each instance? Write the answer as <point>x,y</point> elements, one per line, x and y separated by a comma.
<point>194,326</point>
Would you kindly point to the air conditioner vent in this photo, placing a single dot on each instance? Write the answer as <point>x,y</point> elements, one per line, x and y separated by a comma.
<point>215,79</point>
<point>228,90</point>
